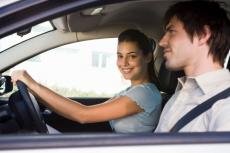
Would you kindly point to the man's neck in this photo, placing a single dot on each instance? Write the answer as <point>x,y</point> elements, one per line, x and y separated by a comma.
<point>201,68</point>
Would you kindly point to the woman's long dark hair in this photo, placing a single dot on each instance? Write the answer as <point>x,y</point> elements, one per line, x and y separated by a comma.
<point>146,46</point>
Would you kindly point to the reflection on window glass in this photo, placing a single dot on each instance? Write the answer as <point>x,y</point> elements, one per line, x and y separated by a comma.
<point>14,39</point>
<point>227,59</point>
<point>7,2</point>
<point>84,69</point>
<point>100,59</point>
<point>95,59</point>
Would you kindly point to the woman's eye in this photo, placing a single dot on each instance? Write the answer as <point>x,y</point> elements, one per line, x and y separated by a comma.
<point>133,56</point>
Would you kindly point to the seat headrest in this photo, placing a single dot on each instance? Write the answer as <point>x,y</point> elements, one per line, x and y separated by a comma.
<point>168,79</point>
<point>152,43</point>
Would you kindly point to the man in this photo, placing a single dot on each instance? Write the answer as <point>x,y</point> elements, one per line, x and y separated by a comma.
<point>197,40</point>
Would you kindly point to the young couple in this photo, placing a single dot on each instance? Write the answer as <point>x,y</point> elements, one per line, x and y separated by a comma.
<point>196,40</point>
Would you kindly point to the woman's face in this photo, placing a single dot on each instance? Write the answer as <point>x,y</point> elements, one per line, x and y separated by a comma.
<point>131,62</point>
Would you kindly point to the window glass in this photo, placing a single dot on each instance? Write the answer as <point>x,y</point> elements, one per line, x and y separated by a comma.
<point>227,59</point>
<point>14,39</point>
<point>83,69</point>
<point>7,2</point>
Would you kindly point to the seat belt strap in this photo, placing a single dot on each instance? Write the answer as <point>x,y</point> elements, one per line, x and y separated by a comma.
<point>201,108</point>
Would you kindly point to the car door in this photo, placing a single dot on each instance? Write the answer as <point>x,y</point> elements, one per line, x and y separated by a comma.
<point>28,13</point>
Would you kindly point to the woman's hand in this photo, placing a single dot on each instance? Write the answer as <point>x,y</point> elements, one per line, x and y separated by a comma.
<point>23,76</point>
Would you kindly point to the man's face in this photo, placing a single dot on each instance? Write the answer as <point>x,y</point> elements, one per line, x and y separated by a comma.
<point>179,50</point>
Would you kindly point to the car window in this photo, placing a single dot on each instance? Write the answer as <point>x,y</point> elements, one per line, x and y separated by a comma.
<point>227,59</point>
<point>7,2</point>
<point>14,39</point>
<point>83,69</point>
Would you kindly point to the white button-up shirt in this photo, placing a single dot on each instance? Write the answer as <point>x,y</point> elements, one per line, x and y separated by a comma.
<point>191,92</point>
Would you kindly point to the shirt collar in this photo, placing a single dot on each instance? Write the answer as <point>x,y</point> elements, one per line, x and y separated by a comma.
<point>216,78</point>
<point>181,82</point>
<point>203,80</point>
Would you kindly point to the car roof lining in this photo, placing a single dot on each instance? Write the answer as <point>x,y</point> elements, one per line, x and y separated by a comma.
<point>115,16</point>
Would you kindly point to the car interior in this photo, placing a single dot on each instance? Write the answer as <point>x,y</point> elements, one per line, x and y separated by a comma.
<point>20,113</point>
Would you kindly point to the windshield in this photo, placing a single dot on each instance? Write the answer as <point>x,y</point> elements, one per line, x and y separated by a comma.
<point>14,39</point>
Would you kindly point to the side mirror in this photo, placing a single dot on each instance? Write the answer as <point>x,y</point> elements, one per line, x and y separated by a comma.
<point>5,84</point>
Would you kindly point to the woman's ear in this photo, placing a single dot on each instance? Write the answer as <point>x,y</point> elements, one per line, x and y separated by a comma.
<point>205,36</point>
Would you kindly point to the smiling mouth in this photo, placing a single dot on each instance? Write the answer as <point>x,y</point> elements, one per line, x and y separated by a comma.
<point>126,70</point>
<point>166,51</point>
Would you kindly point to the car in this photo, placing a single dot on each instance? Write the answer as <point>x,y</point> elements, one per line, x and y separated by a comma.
<point>70,46</point>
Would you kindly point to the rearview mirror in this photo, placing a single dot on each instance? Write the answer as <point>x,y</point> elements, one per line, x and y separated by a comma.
<point>5,84</point>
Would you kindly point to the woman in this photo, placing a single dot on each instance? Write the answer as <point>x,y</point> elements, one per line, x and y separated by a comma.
<point>136,109</point>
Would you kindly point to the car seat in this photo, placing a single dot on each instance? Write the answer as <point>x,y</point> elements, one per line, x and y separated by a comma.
<point>167,80</point>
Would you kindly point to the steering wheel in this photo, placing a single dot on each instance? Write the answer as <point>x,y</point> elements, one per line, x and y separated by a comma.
<point>26,110</point>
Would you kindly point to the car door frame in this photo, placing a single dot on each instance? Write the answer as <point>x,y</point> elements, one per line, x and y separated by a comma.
<point>166,142</point>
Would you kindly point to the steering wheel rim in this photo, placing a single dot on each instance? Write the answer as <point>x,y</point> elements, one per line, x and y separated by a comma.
<point>34,118</point>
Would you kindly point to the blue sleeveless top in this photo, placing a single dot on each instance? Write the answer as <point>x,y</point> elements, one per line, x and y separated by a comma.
<point>146,96</point>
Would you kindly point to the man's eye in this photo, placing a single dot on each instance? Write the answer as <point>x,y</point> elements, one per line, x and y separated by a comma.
<point>171,30</point>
